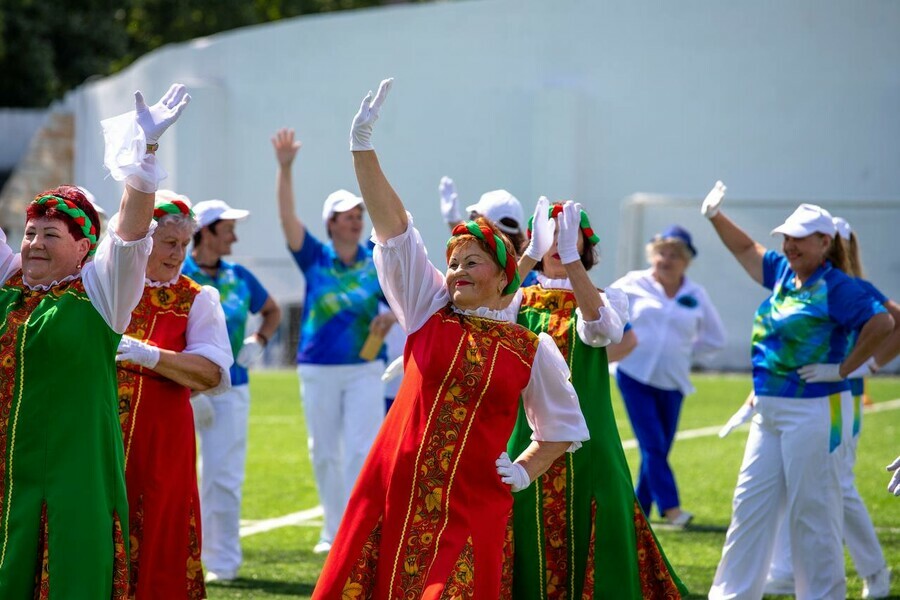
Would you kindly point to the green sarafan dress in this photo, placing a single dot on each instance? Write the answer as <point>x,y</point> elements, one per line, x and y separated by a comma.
<point>63,505</point>
<point>579,531</point>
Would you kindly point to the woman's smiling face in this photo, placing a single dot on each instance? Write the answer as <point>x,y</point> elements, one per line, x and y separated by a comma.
<point>170,242</point>
<point>806,254</point>
<point>474,278</point>
<point>49,252</point>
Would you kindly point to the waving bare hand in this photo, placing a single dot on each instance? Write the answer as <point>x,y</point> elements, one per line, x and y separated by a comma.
<point>285,146</point>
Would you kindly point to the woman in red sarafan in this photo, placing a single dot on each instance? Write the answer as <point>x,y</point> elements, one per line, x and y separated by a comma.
<point>176,343</point>
<point>429,515</point>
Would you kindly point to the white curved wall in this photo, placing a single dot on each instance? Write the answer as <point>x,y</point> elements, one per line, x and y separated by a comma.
<point>588,99</point>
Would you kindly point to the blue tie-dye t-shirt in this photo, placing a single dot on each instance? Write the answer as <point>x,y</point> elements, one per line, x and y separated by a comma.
<point>797,327</point>
<point>341,301</point>
<point>240,293</point>
<point>856,385</point>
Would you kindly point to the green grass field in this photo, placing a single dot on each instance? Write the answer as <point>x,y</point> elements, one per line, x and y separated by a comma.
<point>280,563</point>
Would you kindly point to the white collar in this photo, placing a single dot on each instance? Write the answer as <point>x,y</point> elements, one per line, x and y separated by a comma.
<point>158,284</point>
<point>54,283</point>
<point>483,312</point>
<point>554,284</point>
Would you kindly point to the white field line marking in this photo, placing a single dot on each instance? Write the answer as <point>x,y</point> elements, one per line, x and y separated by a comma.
<point>711,431</point>
<point>297,518</point>
<point>310,516</point>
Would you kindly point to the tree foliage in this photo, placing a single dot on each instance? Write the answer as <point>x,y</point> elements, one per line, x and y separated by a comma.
<point>47,48</point>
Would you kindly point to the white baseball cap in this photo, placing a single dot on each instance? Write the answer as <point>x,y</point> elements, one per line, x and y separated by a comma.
<point>338,202</point>
<point>210,211</point>
<point>807,220</point>
<point>497,205</point>
<point>843,228</point>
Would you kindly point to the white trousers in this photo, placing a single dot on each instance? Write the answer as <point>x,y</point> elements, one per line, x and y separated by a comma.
<point>859,532</point>
<point>790,469</point>
<point>223,449</point>
<point>344,407</point>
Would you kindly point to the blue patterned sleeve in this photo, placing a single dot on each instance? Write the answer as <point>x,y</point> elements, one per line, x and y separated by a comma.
<point>308,253</point>
<point>774,265</point>
<point>872,291</point>
<point>258,294</point>
<point>848,303</point>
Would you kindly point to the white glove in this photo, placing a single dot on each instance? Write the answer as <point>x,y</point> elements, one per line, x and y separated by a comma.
<point>569,226</point>
<point>512,474</point>
<point>394,370</point>
<point>154,120</point>
<point>894,485</point>
<point>542,228</point>
<point>204,413</point>
<point>138,352</point>
<point>713,200</point>
<point>449,202</point>
<point>250,352</point>
<point>820,372</point>
<point>361,129</point>
<point>743,414</point>
<point>870,367</point>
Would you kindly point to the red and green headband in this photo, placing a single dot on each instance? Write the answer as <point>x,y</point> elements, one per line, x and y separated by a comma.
<point>585,224</point>
<point>495,243</point>
<point>75,213</point>
<point>175,207</point>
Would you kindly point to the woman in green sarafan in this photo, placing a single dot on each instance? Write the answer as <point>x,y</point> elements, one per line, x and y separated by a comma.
<point>63,505</point>
<point>579,530</point>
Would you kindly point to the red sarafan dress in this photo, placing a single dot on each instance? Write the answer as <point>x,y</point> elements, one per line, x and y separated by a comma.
<point>160,453</point>
<point>429,516</point>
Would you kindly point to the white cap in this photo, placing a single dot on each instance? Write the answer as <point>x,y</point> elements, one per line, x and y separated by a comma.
<point>92,200</point>
<point>338,202</point>
<point>497,205</point>
<point>164,196</point>
<point>807,220</point>
<point>843,228</point>
<point>210,211</point>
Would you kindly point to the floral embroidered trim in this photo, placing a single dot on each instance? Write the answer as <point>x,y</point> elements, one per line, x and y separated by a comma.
<point>42,577</point>
<point>120,562</point>
<point>196,588</point>
<point>360,581</point>
<point>656,581</point>
<point>553,512</point>
<point>135,539</point>
<point>461,583</point>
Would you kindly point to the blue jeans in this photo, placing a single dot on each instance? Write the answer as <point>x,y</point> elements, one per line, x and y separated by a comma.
<point>654,418</point>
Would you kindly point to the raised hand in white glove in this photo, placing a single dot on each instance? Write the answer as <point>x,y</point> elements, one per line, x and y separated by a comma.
<point>250,352</point>
<point>894,485</point>
<point>449,202</point>
<point>393,370</point>
<point>204,413</point>
<point>138,352</point>
<point>154,120</point>
<point>361,129</point>
<point>512,474</point>
<point>542,228</point>
<point>870,367</point>
<point>569,222</point>
<point>820,372</point>
<point>713,200</point>
<point>743,414</point>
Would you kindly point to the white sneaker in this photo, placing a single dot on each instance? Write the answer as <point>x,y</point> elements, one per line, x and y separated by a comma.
<point>218,576</point>
<point>779,587</point>
<point>877,585</point>
<point>322,547</point>
<point>682,520</point>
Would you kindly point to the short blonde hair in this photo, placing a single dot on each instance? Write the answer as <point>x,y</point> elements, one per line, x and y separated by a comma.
<point>656,244</point>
